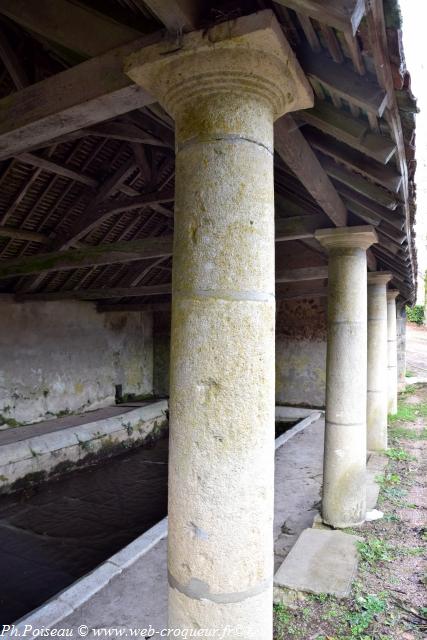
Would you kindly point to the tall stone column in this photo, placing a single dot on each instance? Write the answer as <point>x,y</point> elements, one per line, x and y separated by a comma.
<point>344,464</point>
<point>377,397</point>
<point>224,89</point>
<point>401,347</point>
<point>392,351</point>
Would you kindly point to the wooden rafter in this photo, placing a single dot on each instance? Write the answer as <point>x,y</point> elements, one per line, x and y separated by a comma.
<point>117,252</point>
<point>378,38</point>
<point>344,15</point>
<point>70,25</point>
<point>358,183</point>
<point>362,91</point>
<point>122,252</point>
<point>57,168</point>
<point>96,216</point>
<point>385,175</point>
<point>89,93</point>
<point>176,15</point>
<point>107,293</point>
<point>353,132</point>
<point>12,63</point>
<point>295,151</point>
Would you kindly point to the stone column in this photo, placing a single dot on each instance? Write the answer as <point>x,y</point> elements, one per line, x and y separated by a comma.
<point>224,89</point>
<point>392,351</point>
<point>344,465</point>
<point>377,397</point>
<point>401,347</point>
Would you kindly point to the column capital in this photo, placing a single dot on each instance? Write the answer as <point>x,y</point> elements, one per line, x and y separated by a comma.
<point>392,294</point>
<point>361,237</point>
<point>249,55</point>
<point>379,277</point>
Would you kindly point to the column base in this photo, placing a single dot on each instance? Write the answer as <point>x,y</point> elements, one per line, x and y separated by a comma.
<point>345,525</point>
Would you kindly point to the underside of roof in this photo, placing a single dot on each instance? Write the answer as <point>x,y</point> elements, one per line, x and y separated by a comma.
<point>86,205</point>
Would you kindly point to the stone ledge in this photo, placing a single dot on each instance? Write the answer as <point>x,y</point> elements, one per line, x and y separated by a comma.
<point>38,458</point>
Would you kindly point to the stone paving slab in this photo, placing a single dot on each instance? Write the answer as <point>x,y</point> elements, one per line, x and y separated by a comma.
<point>320,562</point>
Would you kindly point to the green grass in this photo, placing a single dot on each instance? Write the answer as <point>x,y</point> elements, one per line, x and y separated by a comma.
<point>399,454</point>
<point>367,608</point>
<point>409,412</point>
<point>374,550</point>
<point>403,433</point>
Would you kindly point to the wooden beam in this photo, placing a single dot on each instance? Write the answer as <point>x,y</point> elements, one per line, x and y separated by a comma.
<point>344,15</point>
<point>295,151</point>
<point>105,307</point>
<point>302,295</point>
<point>107,293</point>
<point>176,15</point>
<point>358,183</point>
<point>58,169</point>
<point>381,56</point>
<point>352,131</point>
<point>12,63</point>
<point>98,294</point>
<point>305,273</point>
<point>117,252</point>
<point>79,97</point>
<point>23,234</point>
<point>70,25</point>
<point>95,217</point>
<point>385,175</point>
<point>128,133</point>
<point>298,227</point>
<point>123,252</point>
<point>362,206</point>
<point>341,80</point>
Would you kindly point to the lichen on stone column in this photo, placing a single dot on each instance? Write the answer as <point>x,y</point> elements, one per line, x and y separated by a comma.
<point>392,351</point>
<point>377,396</point>
<point>344,468</point>
<point>224,88</point>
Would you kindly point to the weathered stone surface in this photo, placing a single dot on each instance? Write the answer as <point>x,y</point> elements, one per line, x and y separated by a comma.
<point>344,481</point>
<point>44,454</point>
<point>392,351</point>
<point>377,361</point>
<point>224,88</point>
<point>321,561</point>
<point>73,358</point>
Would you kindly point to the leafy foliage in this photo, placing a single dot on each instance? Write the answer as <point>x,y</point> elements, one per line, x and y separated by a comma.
<point>415,314</point>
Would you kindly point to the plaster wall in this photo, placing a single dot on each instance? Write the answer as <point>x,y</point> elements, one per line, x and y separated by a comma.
<point>301,352</point>
<point>64,356</point>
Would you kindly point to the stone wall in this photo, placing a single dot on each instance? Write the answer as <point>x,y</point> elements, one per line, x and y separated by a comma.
<point>58,357</point>
<point>161,353</point>
<point>301,352</point>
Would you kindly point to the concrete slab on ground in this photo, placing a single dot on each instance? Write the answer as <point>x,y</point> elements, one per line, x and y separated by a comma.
<point>320,562</point>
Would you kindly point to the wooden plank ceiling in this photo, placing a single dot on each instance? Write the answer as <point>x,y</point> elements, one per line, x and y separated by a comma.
<point>87,158</point>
